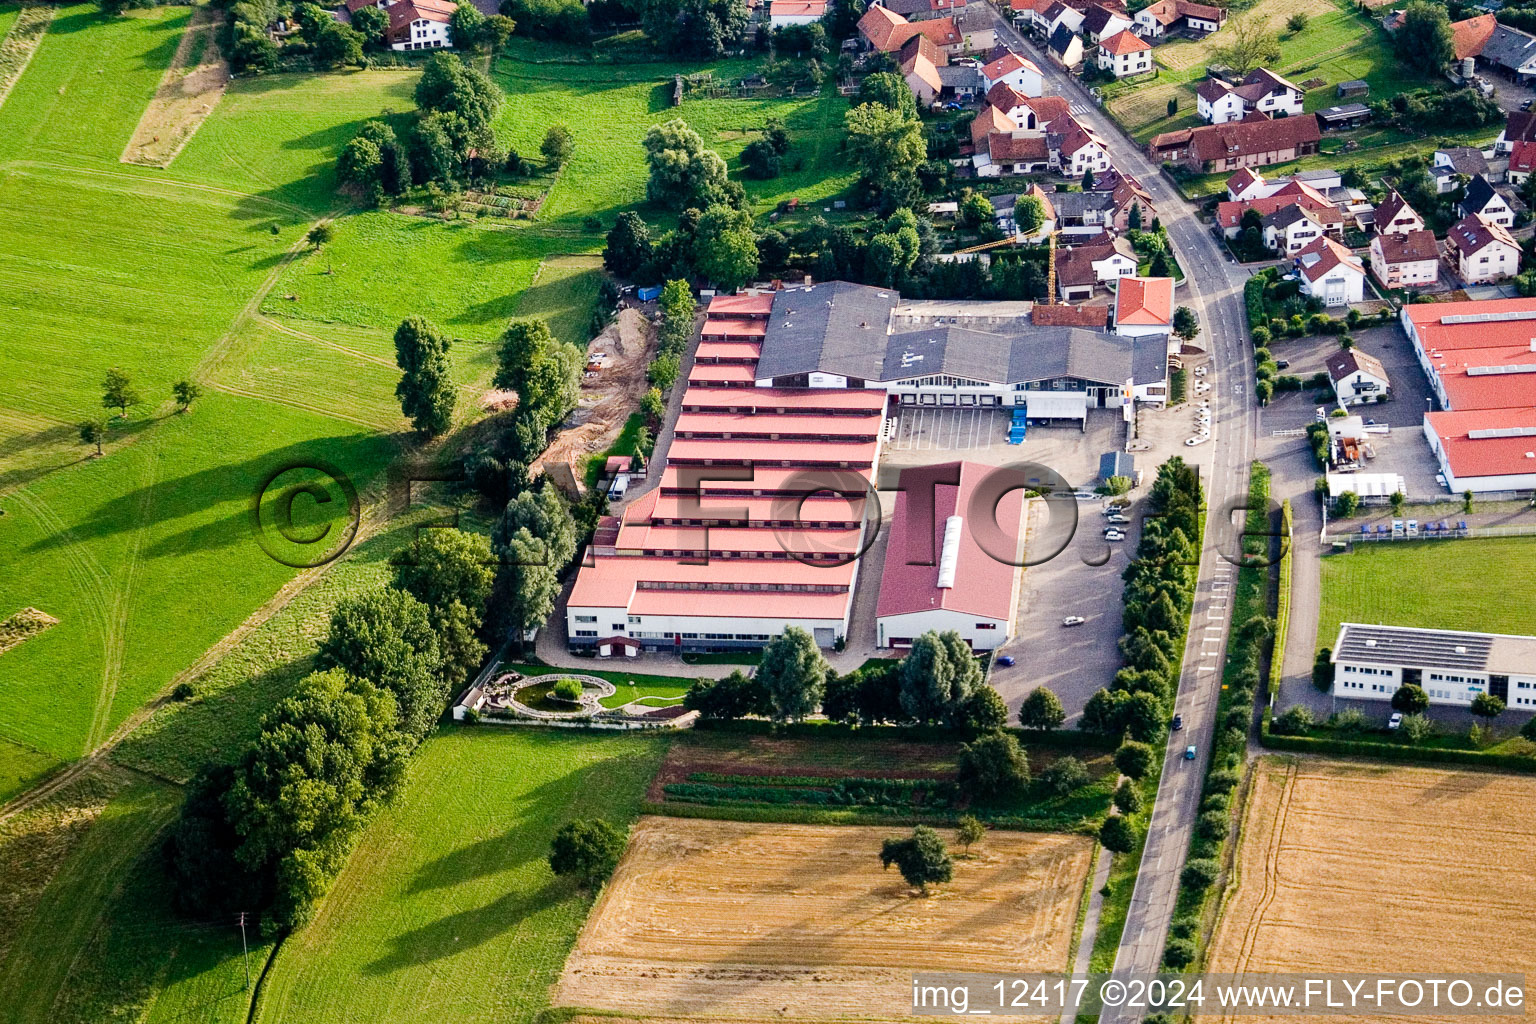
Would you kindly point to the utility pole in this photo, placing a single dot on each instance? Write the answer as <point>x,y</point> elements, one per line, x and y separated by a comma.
<point>245,952</point>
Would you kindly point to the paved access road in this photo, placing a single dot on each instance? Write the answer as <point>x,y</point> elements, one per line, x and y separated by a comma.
<point>1214,289</point>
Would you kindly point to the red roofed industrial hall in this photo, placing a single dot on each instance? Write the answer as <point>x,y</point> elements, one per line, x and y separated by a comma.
<point>1480,358</point>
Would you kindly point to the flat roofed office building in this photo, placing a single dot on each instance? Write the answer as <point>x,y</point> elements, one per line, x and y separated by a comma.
<point>1453,667</point>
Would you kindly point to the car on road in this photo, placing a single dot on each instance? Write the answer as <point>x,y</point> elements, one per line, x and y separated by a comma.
<point>1005,660</point>
<point>1073,620</point>
<point>1114,535</point>
<point>1396,721</point>
<point>1189,752</point>
<point>1196,440</point>
<point>1178,722</point>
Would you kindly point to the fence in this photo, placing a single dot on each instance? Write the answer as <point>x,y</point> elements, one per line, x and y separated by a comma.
<point>1458,532</point>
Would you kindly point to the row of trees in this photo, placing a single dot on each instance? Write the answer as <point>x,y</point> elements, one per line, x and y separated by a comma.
<point>448,139</point>
<point>268,833</point>
<point>119,392</point>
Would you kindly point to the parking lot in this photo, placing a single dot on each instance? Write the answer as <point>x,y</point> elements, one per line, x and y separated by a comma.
<point>926,428</point>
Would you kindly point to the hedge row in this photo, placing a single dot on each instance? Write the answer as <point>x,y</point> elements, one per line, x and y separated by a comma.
<point>1283,600</point>
<point>1394,751</point>
<point>823,730</point>
<point>793,815</point>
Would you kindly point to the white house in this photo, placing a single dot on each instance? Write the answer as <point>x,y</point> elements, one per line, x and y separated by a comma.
<point>1059,15</point>
<point>1483,200</point>
<point>419,24</point>
<point>1452,667</point>
<point>1395,217</point>
<point>937,573</point>
<point>1483,252</point>
<point>1291,228</point>
<point>1124,54</point>
<point>783,13</point>
<point>1330,273</point>
<point>1167,16</point>
<point>1080,268</point>
<point>1074,148</point>
<point>1522,162</point>
<point>1219,102</point>
<point>1406,259</point>
<point>1449,165</point>
<point>1144,307</point>
<point>1358,377</point>
<point>1100,23</point>
<point>1020,74</point>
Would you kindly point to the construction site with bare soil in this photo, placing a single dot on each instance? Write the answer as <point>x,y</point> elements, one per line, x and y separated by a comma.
<point>612,385</point>
<point>1367,869</point>
<point>753,921</point>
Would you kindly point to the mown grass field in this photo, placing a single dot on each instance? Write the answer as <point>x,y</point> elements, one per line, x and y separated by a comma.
<point>1337,45</point>
<point>447,911</point>
<point>1437,585</point>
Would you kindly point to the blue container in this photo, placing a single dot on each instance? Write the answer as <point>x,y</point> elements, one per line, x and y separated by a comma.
<point>650,294</point>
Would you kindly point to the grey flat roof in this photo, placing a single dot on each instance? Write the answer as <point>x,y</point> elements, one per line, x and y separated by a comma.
<point>845,329</point>
<point>1412,647</point>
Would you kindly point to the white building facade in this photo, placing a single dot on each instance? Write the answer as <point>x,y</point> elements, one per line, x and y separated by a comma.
<point>1452,667</point>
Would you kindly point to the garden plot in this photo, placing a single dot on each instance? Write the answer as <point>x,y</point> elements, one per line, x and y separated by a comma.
<point>1356,868</point>
<point>739,919</point>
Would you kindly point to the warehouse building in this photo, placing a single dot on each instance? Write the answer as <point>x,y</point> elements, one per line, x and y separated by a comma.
<point>841,335</point>
<point>1452,667</point>
<point>953,558</point>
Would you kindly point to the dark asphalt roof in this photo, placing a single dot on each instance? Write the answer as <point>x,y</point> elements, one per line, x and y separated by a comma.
<point>850,338</point>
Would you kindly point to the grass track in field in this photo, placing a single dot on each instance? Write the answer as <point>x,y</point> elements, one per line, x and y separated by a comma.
<point>447,910</point>
<point>1468,584</point>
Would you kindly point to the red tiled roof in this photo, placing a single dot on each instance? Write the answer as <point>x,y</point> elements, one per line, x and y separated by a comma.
<point>721,373</point>
<point>990,120</point>
<point>729,351</point>
<point>1094,317</point>
<point>1391,208</point>
<point>735,329</point>
<point>1486,456</point>
<point>1124,42</point>
<point>1253,135</point>
<point>1244,178</point>
<point>1520,126</point>
<point>1322,255</point>
<point>1144,301</point>
<point>1523,157</point>
<point>1229,213</point>
<point>1007,148</point>
<point>863,400</point>
<point>741,305</point>
<point>1007,64</point>
<point>1468,37</point>
<point>984,585</point>
<point>404,12</point>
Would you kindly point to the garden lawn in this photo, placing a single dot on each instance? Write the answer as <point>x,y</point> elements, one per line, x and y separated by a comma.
<point>631,686</point>
<point>1337,45</point>
<point>447,910</point>
<point>1464,584</point>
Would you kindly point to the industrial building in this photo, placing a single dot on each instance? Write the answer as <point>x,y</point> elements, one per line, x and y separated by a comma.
<point>953,558</point>
<point>1452,667</point>
<point>757,522</point>
<point>1480,358</point>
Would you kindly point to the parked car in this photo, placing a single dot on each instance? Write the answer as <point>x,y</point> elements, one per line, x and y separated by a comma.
<point>1073,620</point>
<point>1189,752</point>
<point>1178,722</point>
<point>1114,535</point>
<point>1396,721</point>
<point>1117,519</point>
<point>1196,440</point>
<point>1005,660</point>
<point>1282,364</point>
<point>1200,371</point>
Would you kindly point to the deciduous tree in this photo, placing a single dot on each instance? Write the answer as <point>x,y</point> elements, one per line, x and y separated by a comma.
<point>1250,43</point>
<point>118,392</point>
<point>1042,710</point>
<point>993,765</point>
<point>586,850</point>
<point>558,145</point>
<point>386,637</point>
<point>1117,834</point>
<point>682,171</point>
<point>937,677</point>
<point>921,858</point>
<point>425,390</point>
<point>1134,759</point>
<point>1424,40</point>
<point>793,673</point>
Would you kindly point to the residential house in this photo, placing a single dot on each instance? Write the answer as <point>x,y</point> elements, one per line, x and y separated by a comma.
<point>1075,148</point>
<point>1101,22</point>
<point>978,31</point>
<point>1144,306</point>
<point>1132,201</point>
<point>1481,199</point>
<point>1292,228</point>
<point>921,10</point>
<point>1470,36</point>
<point>784,13</point>
<point>1030,113</point>
<point>919,61</point>
<point>1358,377</point>
<point>1020,74</point>
<point>1029,15</point>
<point>414,24</point>
<point>1230,214</point>
<point>1080,268</point>
<point>1173,16</point>
<point>1012,153</point>
<point>1522,161</point>
<point>887,31</point>
<point>1482,251</point>
<point>1246,184</point>
<point>1406,259</point>
<point>1094,318</point>
<point>1519,126</point>
<point>1125,54</point>
<point>1262,90</point>
<point>1450,165</point>
<point>1061,15</point>
<point>1395,217</point>
<point>1330,273</point>
<point>1255,141</point>
<point>1065,48</point>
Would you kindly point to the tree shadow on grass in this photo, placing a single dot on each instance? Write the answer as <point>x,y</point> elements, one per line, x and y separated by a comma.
<point>466,929</point>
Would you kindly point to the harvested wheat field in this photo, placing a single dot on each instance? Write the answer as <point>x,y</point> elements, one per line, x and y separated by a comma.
<point>1357,868</point>
<point>748,920</point>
